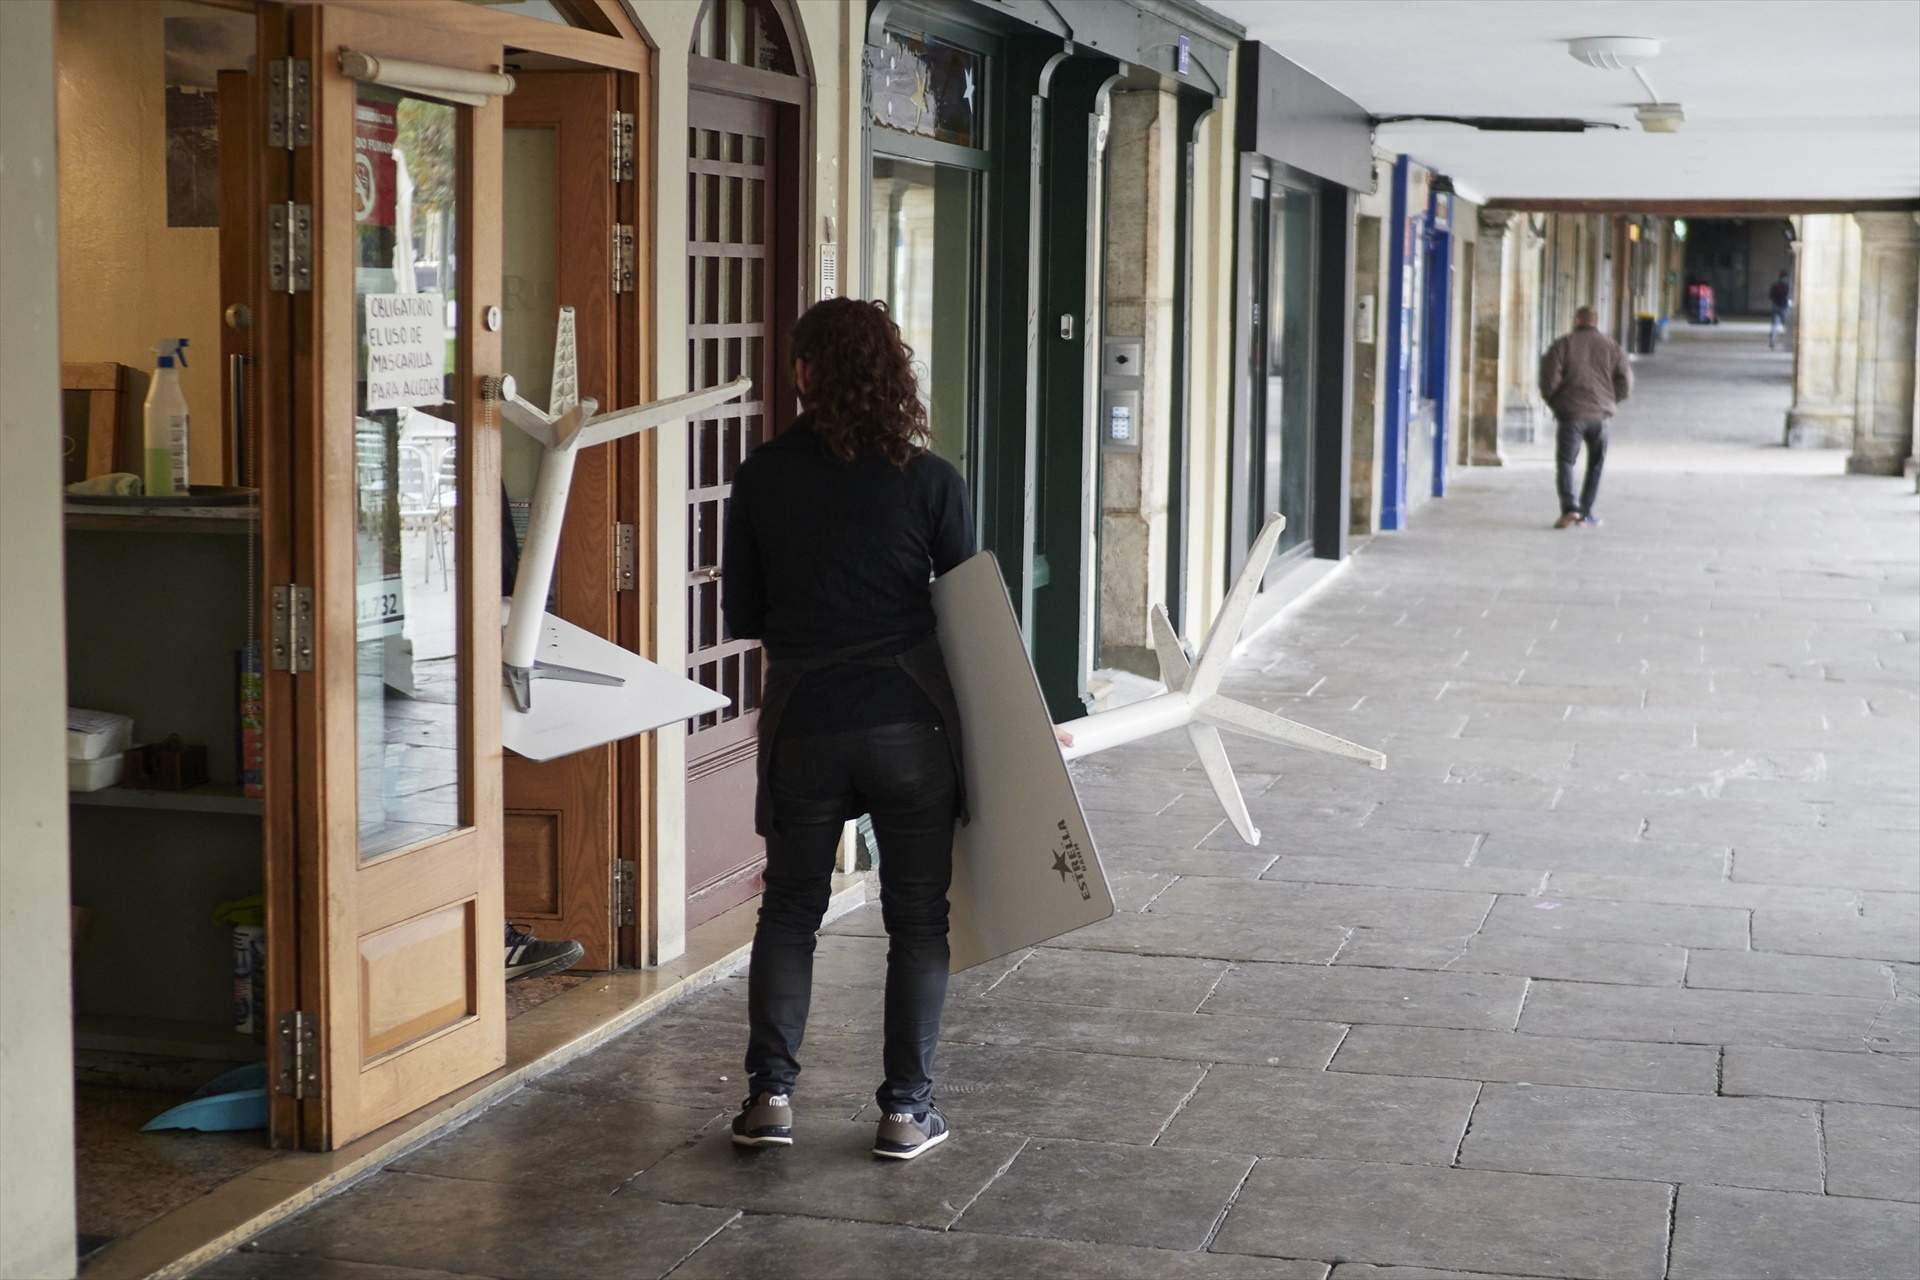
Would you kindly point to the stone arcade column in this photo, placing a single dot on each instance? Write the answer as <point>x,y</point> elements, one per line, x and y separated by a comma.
<point>1884,384</point>
<point>1826,331</point>
<point>1526,294</point>
<point>1489,330</point>
<point>1142,178</point>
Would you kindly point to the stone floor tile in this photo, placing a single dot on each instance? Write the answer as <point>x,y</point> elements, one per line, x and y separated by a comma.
<point>834,1007</point>
<point>1692,893</point>
<point>1520,1059</point>
<point>1347,905</point>
<point>1727,1233</point>
<point>1152,1197</point>
<point>1486,1002</point>
<point>1184,829</point>
<point>1098,1097</point>
<point>1172,984</point>
<point>1234,863</point>
<point>1601,920</point>
<point>698,1064</point>
<point>1620,855</point>
<point>252,1263</point>
<point>1389,874</point>
<point>1295,941</point>
<point>582,1142</point>
<point>1684,1016</point>
<point>1267,1111</point>
<point>754,1248</point>
<point>1881,930</point>
<point>1873,1151</point>
<point>1194,1037</point>
<point>1135,891</point>
<point>1811,1073</point>
<point>497,1229</point>
<point>1367,1271</point>
<point>1452,1219</point>
<point>830,1171</point>
<point>1807,975</point>
<point>1523,955</point>
<point>1375,840</point>
<point>1892,867</point>
<point>1769,1143</point>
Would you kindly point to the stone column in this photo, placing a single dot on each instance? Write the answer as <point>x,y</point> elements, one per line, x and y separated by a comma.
<point>1826,331</point>
<point>1884,383</point>
<point>1142,178</point>
<point>1488,384</point>
<point>1526,294</point>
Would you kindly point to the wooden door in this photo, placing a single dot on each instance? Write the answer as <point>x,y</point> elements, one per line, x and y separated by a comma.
<point>397,723</point>
<point>556,245</point>
<point>732,329</point>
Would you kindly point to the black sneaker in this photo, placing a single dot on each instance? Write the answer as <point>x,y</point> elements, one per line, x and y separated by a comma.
<point>766,1121</point>
<point>528,957</point>
<point>903,1136</point>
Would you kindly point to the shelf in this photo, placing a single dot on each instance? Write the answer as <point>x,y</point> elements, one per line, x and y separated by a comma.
<point>160,519</point>
<point>166,1036</point>
<point>203,799</point>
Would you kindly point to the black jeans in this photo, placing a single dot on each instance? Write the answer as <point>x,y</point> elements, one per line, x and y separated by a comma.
<point>902,775</point>
<point>1567,452</point>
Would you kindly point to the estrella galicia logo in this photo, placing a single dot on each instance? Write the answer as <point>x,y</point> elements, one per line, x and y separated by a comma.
<point>1069,859</point>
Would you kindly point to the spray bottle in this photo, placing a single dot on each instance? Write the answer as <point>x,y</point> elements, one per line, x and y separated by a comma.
<point>165,469</point>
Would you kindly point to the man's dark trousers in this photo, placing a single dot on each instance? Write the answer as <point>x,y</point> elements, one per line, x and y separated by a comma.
<point>1567,452</point>
<point>902,775</point>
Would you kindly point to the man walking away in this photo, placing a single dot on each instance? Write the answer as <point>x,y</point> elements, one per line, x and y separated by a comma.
<point>1781,295</point>
<point>1583,376</point>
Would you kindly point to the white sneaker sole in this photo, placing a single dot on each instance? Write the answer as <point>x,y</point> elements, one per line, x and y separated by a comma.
<point>743,1140</point>
<point>920,1150</point>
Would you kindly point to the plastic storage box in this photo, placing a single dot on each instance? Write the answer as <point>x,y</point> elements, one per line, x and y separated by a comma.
<point>93,734</point>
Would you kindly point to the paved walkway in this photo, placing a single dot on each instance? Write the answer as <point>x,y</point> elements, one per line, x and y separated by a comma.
<point>1610,975</point>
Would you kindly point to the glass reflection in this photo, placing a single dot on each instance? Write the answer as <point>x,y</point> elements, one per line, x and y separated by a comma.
<point>407,570</point>
<point>926,86</point>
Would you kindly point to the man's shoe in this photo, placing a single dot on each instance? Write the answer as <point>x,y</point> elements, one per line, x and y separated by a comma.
<point>903,1136</point>
<point>1567,521</point>
<point>529,957</point>
<point>766,1121</point>
<point>1590,520</point>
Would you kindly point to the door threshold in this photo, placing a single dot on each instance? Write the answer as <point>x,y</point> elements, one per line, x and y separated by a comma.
<point>538,1041</point>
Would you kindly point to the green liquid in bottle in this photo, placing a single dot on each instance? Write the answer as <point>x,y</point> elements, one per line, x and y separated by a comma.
<point>159,473</point>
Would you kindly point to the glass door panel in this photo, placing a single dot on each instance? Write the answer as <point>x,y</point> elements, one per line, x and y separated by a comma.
<point>408,572</point>
<point>923,220</point>
<point>1289,397</point>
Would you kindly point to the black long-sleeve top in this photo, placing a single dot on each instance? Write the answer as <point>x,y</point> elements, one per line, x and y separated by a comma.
<point>822,555</point>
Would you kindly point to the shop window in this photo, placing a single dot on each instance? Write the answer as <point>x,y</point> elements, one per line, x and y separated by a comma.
<point>927,87</point>
<point>746,33</point>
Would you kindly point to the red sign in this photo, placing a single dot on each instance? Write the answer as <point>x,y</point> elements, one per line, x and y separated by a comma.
<point>374,188</point>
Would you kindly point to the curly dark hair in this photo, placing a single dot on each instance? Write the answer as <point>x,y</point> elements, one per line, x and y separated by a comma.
<point>861,389</point>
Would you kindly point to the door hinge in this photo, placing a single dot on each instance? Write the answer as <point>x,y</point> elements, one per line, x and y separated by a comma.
<point>289,103</point>
<point>623,892</point>
<point>290,630</point>
<point>623,128</point>
<point>299,1042</point>
<point>289,248</point>
<point>624,265</point>
<point>626,567</point>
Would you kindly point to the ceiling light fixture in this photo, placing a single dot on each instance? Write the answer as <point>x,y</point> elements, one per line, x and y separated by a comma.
<point>1506,124</point>
<point>1614,53</point>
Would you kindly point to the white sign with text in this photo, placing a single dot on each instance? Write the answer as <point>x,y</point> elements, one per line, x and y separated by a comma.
<point>406,350</point>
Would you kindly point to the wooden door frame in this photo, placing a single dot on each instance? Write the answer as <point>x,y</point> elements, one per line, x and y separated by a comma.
<point>327,843</point>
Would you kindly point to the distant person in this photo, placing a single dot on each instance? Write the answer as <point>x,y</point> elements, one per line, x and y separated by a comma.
<point>1583,376</point>
<point>1781,295</point>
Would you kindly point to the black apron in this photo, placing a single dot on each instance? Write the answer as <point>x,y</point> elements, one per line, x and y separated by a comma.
<point>924,664</point>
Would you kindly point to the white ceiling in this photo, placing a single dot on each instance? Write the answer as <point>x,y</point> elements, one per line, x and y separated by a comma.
<point>1807,99</point>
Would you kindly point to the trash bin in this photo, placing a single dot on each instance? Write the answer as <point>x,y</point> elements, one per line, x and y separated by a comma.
<point>1646,334</point>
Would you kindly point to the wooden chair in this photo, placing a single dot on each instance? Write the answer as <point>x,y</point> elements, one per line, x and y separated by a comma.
<point>95,443</point>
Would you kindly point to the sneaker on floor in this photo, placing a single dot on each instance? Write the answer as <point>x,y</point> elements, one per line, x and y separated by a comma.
<point>528,956</point>
<point>1590,521</point>
<point>1567,521</point>
<point>902,1136</point>
<point>766,1121</point>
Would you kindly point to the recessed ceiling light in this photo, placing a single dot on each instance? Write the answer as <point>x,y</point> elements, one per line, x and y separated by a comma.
<point>1614,53</point>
